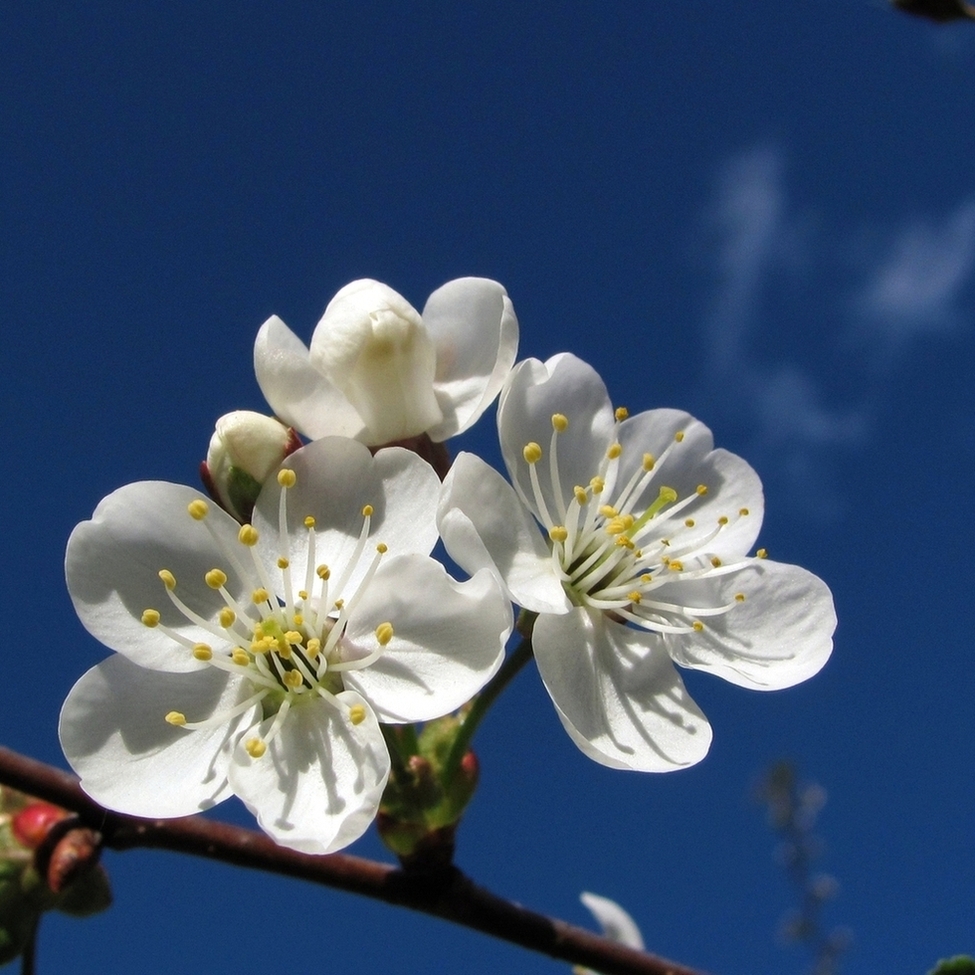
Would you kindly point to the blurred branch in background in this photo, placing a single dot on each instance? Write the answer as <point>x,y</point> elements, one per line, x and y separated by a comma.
<point>938,10</point>
<point>793,806</point>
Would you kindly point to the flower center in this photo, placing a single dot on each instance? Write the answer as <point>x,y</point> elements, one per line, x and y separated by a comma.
<point>290,650</point>
<point>613,553</point>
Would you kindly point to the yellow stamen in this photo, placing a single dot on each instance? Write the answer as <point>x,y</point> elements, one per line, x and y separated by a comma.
<point>202,652</point>
<point>689,522</point>
<point>293,679</point>
<point>558,534</point>
<point>722,520</point>
<point>240,656</point>
<point>702,489</point>
<point>215,578</point>
<point>621,413</point>
<point>260,595</point>
<point>614,451</point>
<point>247,535</point>
<point>634,597</point>
<point>597,484</point>
<point>532,453</point>
<point>255,747</point>
<point>762,553</point>
<point>560,422</point>
<point>357,714</point>
<point>150,617</point>
<point>649,462</point>
<point>675,565</point>
<point>283,563</point>
<point>697,626</point>
<point>309,521</point>
<point>381,548</point>
<point>198,509</point>
<point>177,718</point>
<point>227,617</point>
<point>739,597</point>
<point>679,436</point>
<point>287,478</point>
<point>313,648</point>
<point>384,633</point>
<point>323,572</point>
<point>743,512</point>
<point>580,494</point>
<point>715,561</point>
<point>367,511</point>
<point>168,579</point>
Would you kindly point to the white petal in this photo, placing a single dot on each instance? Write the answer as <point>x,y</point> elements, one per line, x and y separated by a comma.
<point>533,393</point>
<point>112,568</point>
<point>317,787</point>
<point>780,635</point>
<point>336,478</point>
<point>448,639</point>
<point>732,485</point>
<point>484,525</point>
<point>295,390</point>
<point>617,925</point>
<point>474,329</point>
<point>372,344</point>
<point>619,696</point>
<point>115,736</point>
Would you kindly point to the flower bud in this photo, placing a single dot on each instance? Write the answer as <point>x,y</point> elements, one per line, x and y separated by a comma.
<point>31,824</point>
<point>244,450</point>
<point>371,344</point>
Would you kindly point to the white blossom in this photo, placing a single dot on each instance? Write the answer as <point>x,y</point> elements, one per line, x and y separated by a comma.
<point>642,561</point>
<point>380,372</point>
<point>258,660</point>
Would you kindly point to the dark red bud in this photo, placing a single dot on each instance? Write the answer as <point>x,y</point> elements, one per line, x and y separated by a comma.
<point>470,766</point>
<point>75,853</point>
<point>31,825</point>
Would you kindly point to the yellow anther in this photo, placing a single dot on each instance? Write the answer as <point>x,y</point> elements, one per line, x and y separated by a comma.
<point>649,462</point>
<point>283,648</point>
<point>255,747</point>
<point>260,645</point>
<point>215,578</point>
<point>715,561</point>
<point>150,617</point>
<point>646,577</point>
<point>260,595</point>
<point>313,648</point>
<point>177,718</point>
<point>357,713</point>
<point>381,548</point>
<point>722,520</point>
<point>323,572</point>
<point>665,542</point>
<point>168,579</point>
<point>298,619</point>
<point>532,453</point>
<point>597,484</point>
<point>621,413</point>
<point>310,521</point>
<point>339,603</point>
<point>384,633</point>
<point>198,509</point>
<point>615,526</point>
<point>367,511</point>
<point>302,594</point>
<point>202,652</point>
<point>293,679</point>
<point>614,451</point>
<point>227,617</point>
<point>762,553</point>
<point>580,494</point>
<point>558,533</point>
<point>623,542</point>
<point>293,637</point>
<point>743,512</point>
<point>689,522</point>
<point>634,597</point>
<point>702,489</point>
<point>608,511</point>
<point>283,563</point>
<point>739,597</point>
<point>247,535</point>
<point>679,436</point>
<point>240,656</point>
<point>697,626</point>
<point>560,422</point>
<point>287,477</point>
<point>675,565</point>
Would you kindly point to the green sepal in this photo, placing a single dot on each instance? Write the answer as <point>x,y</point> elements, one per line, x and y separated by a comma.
<point>242,491</point>
<point>959,965</point>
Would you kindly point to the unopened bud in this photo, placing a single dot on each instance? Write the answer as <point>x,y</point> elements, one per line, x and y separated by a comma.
<point>372,345</point>
<point>244,450</point>
<point>31,824</point>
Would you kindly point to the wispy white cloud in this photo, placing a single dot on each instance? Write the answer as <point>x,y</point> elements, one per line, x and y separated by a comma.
<point>911,286</point>
<point>917,283</point>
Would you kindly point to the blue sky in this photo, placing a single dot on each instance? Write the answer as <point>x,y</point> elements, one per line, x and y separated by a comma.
<point>763,215</point>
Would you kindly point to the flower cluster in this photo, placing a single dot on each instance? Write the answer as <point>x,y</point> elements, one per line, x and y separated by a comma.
<point>263,643</point>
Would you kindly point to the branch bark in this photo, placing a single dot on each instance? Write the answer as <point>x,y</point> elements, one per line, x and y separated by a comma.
<point>446,893</point>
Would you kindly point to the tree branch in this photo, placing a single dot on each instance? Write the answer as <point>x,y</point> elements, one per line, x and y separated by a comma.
<point>446,894</point>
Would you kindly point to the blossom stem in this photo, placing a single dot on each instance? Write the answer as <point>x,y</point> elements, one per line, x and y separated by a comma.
<point>483,701</point>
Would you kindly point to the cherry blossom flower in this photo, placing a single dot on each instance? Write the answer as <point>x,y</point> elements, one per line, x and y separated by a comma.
<point>642,562</point>
<point>380,372</point>
<point>258,660</point>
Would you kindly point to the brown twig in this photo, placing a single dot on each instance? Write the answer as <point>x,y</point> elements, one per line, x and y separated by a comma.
<point>447,894</point>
